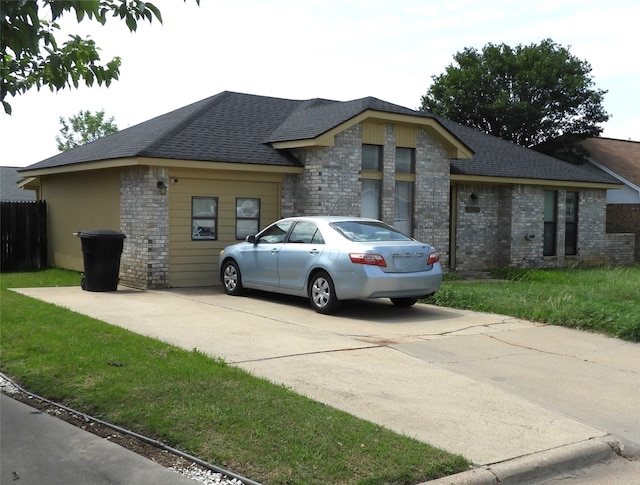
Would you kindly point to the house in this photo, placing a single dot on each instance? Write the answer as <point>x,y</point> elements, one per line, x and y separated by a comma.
<point>185,184</point>
<point>9,190</point>
<point>621,159</point>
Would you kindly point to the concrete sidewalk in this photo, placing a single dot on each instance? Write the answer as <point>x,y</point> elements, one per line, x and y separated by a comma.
<point>489,387</point>
<point>67,454</point>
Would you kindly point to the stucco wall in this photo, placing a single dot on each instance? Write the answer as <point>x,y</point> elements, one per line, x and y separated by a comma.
<point>79,201</point>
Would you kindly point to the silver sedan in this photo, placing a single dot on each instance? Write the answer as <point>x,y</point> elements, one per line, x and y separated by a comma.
<point>329,259</point>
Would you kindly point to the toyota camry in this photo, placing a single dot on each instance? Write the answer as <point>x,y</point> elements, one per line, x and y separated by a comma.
<point>329,259</point>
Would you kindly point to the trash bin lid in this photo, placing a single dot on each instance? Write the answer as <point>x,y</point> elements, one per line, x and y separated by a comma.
<point>100,234</point>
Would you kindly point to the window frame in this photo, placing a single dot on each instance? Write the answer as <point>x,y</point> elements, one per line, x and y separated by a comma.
<point>242,235</point>
<point>373,178</point>
<point>550,219</point>
<point>571,223</point>
<point>213,229</point>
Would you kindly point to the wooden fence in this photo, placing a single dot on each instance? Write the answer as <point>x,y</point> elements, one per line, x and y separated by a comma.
<point>24,236</point>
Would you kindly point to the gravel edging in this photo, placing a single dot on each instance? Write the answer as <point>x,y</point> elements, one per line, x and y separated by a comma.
<point>164,457</point>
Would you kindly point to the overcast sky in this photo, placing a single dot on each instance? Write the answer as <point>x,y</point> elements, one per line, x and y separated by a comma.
<point>342,50</point>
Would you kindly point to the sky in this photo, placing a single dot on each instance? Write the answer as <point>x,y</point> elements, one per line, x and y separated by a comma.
<point>340,50</point>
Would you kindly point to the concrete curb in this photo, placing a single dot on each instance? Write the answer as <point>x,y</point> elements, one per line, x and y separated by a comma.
<point>537,467</point>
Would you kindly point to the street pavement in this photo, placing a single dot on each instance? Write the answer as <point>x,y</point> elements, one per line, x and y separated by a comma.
<point>37,449</point>
<point>521,400</point>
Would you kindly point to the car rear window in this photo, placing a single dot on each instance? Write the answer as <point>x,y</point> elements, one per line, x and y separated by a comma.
<point>369,231</point>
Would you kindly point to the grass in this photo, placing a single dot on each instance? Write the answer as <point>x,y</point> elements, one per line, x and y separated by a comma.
<point>197,404</point>
<point>604,300</point>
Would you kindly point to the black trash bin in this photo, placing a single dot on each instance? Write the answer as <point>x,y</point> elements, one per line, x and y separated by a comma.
<point>101,249</point>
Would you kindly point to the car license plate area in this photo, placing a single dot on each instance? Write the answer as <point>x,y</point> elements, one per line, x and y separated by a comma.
<point>405,263</point>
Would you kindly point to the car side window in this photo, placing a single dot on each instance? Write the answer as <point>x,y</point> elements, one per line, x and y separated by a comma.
<point>305,233</point>
<point>275,234</point>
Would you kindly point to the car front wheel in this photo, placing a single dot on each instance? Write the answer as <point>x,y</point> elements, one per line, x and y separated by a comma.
<point>404,302</point>
<point>231,279</point>
<point>322,293</point>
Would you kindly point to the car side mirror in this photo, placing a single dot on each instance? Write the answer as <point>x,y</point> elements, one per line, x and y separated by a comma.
<point>251,239</point>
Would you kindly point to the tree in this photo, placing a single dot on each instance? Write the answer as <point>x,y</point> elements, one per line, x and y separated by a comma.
<point>82,128</point>
<point>538,96</point>
<point>33,57</point>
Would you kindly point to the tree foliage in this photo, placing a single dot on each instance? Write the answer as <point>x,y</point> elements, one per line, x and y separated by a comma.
<point>82,128</point>
<point>32,56</point>
<point>538,96</point>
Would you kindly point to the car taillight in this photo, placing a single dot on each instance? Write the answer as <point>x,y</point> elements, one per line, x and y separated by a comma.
<point>433,258</point>
<point>367,258</point>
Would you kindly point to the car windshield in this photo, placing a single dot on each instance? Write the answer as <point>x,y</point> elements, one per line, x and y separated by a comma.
<point>369,231</point>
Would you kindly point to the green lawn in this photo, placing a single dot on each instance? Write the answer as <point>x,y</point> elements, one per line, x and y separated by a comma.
<point>197,404</point>
<point>605,300</point>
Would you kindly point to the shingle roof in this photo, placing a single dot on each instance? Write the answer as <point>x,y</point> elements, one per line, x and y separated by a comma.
<point>317,116</point>
<point>9,190</point>
<point>619,156</point>
<point>495,157</point>
<point>227,127</point>
<point>239,128</point>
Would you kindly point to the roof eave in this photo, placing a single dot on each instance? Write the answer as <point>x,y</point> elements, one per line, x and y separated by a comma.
<point>161,162</point>
<point>487,179</point>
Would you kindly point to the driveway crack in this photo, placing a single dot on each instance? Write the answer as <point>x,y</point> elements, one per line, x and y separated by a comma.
<point>300,354</point>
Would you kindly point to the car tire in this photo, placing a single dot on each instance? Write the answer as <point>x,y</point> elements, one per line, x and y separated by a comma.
<point>322,293</point>
<point>404,302</point>
<point>231,279</point>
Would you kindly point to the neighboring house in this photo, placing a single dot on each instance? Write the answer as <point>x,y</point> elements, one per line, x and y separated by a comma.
<point>185,184</point>
<point>621,159</point>
<point>9,190</point>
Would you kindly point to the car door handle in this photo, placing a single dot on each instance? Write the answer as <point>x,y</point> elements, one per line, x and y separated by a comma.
<point>274,251</point>
<point>314,251</point>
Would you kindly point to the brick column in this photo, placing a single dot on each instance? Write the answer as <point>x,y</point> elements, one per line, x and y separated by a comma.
<point>144,219</point>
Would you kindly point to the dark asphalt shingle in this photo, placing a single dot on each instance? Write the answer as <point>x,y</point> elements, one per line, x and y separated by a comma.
<point>495,157</point>
<point>239,128</point>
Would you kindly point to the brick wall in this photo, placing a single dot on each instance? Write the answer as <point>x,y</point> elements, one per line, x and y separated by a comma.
<point>144,219</point>
<point>504,226</point>
<point>620,248</point>
<point>330,184</point>
<point>625,218</point>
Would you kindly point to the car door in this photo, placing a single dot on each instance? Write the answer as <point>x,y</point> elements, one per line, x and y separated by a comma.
<point>299,254</point>
<point>261,261</point>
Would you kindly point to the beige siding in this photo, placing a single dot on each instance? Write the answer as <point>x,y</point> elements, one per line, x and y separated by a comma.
<point>195,263</point>
<point>79,201</point>
<point>406,136</point>
<point>373,132</point>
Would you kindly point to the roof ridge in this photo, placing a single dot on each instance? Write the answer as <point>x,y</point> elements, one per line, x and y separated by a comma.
<point>162,137</point>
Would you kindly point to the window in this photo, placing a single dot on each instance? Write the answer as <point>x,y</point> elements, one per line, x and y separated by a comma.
<point>247,217</point>
<point>204,218</point>
<point>305,233</point>
<point>371,181</point>
<point>550,213</point>
<point>276,233</point>
<point>371,158</point>
<point>405,179</point>
<point>404,160</point>
<point>404,207</point>
<point>571,224</point>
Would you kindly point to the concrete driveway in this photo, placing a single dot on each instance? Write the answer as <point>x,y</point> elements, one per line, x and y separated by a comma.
<point>490,387</point>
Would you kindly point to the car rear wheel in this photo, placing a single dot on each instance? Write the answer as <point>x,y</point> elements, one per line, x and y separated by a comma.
<point>322,293</point>
<point>404,302</point>
<point>231,278</point>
